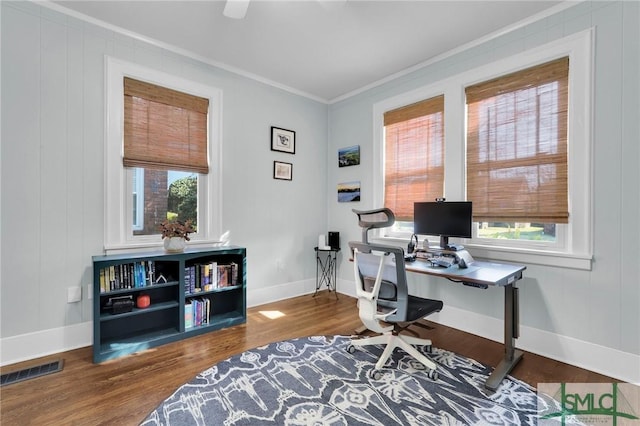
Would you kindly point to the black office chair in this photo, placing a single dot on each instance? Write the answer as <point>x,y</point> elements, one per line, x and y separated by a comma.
<point>384,303</point>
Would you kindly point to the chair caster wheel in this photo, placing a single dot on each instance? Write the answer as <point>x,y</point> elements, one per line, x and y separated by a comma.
<point>375,374</point>
<point>351,349</point>
<point>433,375</point>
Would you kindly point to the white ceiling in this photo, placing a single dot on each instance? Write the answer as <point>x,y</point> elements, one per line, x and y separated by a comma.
<point>319,48</point>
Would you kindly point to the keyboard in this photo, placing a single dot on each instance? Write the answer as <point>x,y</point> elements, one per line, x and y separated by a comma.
<point>445,261</point>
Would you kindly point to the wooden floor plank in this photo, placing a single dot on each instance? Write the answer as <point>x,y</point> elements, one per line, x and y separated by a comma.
<point>125,390</point>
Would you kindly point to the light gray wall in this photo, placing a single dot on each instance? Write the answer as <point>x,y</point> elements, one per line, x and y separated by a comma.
<point>53,121</point>
<point>598,307</point>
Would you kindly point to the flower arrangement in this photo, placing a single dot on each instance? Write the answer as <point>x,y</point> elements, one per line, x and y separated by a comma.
<point>176,229</point>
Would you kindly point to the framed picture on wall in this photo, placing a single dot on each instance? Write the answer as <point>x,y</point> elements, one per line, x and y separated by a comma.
<point>283,171</point>
<point>283,140</point>
<point>349,156</point>
<point>348,192</point>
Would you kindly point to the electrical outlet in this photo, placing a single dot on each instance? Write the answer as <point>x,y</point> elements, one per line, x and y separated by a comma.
<point>74,294</point>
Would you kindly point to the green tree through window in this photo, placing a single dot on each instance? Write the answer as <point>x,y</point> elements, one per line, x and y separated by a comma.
<point>183,199</point>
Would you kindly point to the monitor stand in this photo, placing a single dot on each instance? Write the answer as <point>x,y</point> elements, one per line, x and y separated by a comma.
<point>444,242</point>
<point>444,245</point>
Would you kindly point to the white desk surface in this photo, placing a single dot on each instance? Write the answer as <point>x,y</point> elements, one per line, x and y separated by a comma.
<point>479,272</point>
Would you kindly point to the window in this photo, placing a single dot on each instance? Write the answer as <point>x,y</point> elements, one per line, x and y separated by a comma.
<point>414,156</point>
<point>516,145</point>
<point>517,152</point>
<point>162,156</point>
<point>165,137</point>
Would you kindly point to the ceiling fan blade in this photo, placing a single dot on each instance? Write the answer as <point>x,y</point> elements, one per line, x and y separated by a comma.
<point>236,9</point>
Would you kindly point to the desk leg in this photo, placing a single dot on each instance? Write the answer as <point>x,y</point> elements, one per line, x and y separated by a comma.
<point>511,332</point>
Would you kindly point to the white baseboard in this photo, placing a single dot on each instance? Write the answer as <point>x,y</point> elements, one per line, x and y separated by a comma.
<point>600,359</point>
<point>261,296</point>
<point>614,363</point>
<point>46,342</point>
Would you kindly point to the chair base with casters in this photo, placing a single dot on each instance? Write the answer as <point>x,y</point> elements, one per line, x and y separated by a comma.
<point>392,340</point>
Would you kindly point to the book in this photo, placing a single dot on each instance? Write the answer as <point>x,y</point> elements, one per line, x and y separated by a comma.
<point>206,309</point>
<point>142,274</point>
<point>197,312</point>
<point>223,276</point>
<point>188,315</point>
<point>103,281</point>
<point>206,277</point>
<point>187,280</point>
<point>112,278</point>
<point>135,273</point>
<point>151,269</point>
<point>234,274</point>
<point>213,277</point>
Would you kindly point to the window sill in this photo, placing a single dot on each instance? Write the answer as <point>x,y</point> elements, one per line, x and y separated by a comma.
<point>514,255</point>
<point>533,257</point>
<point>147,246</point>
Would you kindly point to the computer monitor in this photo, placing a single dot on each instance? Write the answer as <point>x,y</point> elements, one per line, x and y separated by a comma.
<point>443,218</point>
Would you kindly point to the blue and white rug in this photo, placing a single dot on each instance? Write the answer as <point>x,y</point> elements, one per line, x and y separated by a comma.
<point>315,381</point>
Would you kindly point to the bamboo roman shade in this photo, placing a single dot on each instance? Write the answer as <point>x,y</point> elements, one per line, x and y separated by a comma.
<point>164,129</point>
<point>517,146</point>
<point>414,155</point>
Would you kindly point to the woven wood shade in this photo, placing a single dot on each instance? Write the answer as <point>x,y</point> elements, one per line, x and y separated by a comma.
<point>414,155</point>
<point>164,129</point>
<point>517,146</point>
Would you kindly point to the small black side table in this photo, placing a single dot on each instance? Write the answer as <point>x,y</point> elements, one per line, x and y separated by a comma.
<point>326,268</point>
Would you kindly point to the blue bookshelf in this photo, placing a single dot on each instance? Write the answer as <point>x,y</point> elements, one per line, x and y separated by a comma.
<point>213,280</point>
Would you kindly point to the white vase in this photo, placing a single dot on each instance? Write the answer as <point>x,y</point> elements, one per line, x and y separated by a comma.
<point>174,244</point>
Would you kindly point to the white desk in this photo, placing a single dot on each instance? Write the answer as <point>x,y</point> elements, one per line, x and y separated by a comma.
<point>486,274</point>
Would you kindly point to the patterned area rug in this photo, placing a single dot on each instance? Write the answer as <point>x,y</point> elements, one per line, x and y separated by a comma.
<point>315,381</point>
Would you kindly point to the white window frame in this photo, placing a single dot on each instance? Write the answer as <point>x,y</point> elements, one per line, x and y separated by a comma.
<point>574,246</point>
<point>118,211</point>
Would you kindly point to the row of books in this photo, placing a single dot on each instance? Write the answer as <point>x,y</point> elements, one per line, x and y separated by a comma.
<point>209,276</point>
<point>128,276</point>
<point>197,312</point>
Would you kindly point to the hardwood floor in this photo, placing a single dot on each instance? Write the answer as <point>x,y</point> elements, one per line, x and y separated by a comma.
<point>124,391</point>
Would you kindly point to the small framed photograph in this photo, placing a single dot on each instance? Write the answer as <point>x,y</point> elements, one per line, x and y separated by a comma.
<point>348,192</point>
<point>349,156</point>
<point>282,170</point>
<point>283,140</point>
